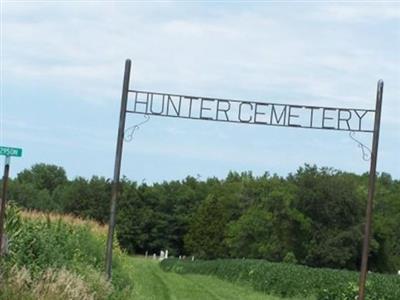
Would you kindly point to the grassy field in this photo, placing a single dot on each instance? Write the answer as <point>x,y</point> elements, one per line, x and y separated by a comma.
<point>62,257</point>
<point>290,280</point>
<point>152,283</point>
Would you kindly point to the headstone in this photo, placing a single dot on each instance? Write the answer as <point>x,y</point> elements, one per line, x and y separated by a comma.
<point>166,254</point>
<point>154,256</point>
<point>180,256</point>
<point>146,254</point>
<point>192,258</point>
<point>162,255</point>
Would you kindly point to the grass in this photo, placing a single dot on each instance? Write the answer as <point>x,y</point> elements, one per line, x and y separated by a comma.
<point>152,283</point>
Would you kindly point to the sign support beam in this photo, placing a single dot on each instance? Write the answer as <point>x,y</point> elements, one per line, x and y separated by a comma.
<point>371,193</point>
<point>3,200</point>
<point>7,152</point>
<point>117,167</point>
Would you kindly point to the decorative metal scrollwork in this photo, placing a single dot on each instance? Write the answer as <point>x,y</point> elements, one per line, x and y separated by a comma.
<point>130,131</point>
<point>366,152</point>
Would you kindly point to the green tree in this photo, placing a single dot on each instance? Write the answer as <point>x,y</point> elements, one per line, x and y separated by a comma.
<point>269,230</point>
<point>207,230</point>
<point>43,176</point>
<point>28,196</point>
<point>332,201</point>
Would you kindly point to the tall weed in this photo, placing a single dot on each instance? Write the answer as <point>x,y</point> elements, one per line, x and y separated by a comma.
<point>51,256</point>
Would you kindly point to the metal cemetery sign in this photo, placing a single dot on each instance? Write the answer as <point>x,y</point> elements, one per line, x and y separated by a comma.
<point>249,112</point>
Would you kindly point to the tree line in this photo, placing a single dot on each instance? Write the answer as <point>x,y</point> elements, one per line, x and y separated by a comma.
<point>313,217</point>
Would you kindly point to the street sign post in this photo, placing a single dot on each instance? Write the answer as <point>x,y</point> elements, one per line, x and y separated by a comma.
<point>7,152</point>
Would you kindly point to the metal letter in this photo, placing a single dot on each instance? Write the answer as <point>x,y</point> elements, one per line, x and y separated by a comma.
<point>202,108</point>
<point>294,116</point>
<point>282,115</point>
<point>240,112</point>
<point>141,102</point>
<point>152,102</point>
<point>324,117</point>
<point>341,119</point>
<point>312,114</point>
<point>360,118</point>
<point>256,112</point>
<point>190,104</point>
<point>225,110</point>
<point>177,110</point>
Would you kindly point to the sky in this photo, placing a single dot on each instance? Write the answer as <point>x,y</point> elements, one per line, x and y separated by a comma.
<point>62,69</point>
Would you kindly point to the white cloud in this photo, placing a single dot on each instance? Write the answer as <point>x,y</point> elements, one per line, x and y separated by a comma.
<point>307,54</point>
<point>362,12</point>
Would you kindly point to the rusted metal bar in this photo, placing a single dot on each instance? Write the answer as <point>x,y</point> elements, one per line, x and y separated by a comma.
<point>3,200</point>
<point>371,193</point>
<point>117,168</point>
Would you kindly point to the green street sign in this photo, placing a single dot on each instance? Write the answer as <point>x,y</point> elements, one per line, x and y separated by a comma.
<point>9,151</point>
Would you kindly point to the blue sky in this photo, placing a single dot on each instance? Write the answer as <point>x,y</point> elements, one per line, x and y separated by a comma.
<point>62,66</point>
